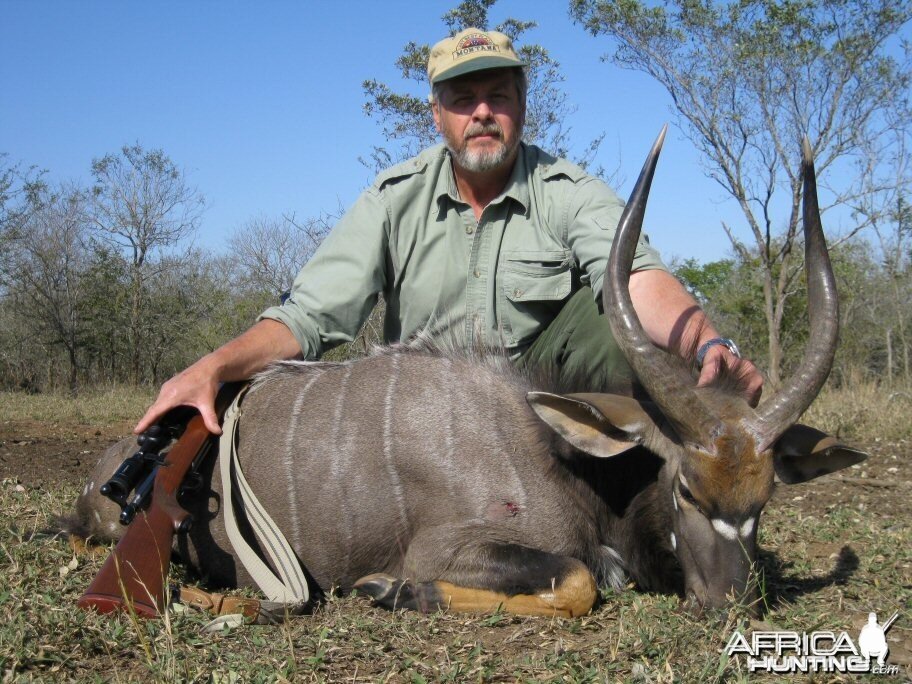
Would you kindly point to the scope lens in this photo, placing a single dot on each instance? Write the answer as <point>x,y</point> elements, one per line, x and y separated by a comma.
<point>124,478</point>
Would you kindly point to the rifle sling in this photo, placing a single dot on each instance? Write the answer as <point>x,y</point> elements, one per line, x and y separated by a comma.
<point>290,585</point>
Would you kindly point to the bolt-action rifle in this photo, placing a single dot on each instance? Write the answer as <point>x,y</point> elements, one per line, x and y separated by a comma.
<point>133,576</point>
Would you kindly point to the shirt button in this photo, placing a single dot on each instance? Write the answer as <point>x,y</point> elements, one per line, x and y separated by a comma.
<point>477,273</point>
<point>470,230</point>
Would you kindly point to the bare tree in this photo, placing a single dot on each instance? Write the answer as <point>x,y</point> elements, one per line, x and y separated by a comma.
<point>748,81</point>
<point>142,204</point>
<point>886,172</point>
<point>269,252</point>
<point>42,274</point>
<point>266,255</point>
<point>21,192</point>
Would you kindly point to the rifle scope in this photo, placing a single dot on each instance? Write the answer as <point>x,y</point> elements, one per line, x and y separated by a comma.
<point>124,479</point>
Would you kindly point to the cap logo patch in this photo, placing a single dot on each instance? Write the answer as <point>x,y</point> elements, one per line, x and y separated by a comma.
<point>474,42</point>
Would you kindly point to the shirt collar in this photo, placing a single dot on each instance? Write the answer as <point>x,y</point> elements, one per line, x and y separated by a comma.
<point>446,180</point>
<point>517,187</point>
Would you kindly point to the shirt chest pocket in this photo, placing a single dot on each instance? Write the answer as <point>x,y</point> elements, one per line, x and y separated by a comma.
<point>534,285</point>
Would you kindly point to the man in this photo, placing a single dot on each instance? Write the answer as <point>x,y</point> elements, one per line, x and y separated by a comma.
<point>482,239</point>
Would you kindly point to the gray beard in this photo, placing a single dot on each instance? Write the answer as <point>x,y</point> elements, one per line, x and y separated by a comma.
<point>481,161</point>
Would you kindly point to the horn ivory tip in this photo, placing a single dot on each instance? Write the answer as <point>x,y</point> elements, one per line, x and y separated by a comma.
<point>807,154</point>
<point>660,140</point>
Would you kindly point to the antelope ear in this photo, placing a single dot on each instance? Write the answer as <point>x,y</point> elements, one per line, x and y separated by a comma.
<point>601,425</point>
<point>803,453</point>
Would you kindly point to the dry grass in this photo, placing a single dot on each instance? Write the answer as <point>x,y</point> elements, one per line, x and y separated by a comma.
<point>93,407</point>
<point>863,410</point>
<point>810,584</point>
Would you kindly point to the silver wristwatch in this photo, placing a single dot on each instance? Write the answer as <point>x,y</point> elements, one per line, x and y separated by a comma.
<point>724,341</point>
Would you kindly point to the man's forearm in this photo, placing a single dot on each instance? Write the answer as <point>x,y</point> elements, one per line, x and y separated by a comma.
<point>674,321</point>
<point>668,313</point>
<point>264,342</point>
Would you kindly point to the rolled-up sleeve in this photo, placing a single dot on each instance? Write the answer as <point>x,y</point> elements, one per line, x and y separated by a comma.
<point>336,290</point>
<point>592,219</point>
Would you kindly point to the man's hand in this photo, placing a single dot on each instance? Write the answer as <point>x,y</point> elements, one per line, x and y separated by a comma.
<point>750,379</point>
<point>196,386</point>
<point>238,359</point>
<point>671,316</point>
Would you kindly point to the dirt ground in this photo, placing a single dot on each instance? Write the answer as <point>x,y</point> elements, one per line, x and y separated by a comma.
<point>44,457</point>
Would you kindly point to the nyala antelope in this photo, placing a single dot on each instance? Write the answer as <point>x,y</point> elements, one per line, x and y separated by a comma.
<point>432,480</point>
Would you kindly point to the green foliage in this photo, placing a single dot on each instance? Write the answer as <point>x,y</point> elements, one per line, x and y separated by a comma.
<point>705,281</point>
<point>142,206</point>
<point>731,290</point>
<point>42,271</point>
<point>98,287</point>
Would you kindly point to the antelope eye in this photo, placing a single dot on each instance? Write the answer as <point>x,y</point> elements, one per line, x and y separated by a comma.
<point>687,496</point>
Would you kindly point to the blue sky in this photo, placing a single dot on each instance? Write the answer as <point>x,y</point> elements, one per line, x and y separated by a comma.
<point>261,103</point>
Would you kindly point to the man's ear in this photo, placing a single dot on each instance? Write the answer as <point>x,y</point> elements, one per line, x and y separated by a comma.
<point>601,425</point>
<point>435,111</point>
<point>803,453</point>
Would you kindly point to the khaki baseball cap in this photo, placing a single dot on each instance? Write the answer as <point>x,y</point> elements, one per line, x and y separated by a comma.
<point>470,50</point>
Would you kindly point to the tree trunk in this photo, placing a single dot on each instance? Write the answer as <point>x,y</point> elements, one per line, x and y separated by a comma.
<point>908,376</point>
<point>889,357</point>
<point>901,326</point>
<point>775,358</point>
<point>135,329</point>
<point>74,372</point>
<point>774,346</point>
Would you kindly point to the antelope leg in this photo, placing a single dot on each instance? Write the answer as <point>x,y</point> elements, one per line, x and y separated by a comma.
<point>510,577</point>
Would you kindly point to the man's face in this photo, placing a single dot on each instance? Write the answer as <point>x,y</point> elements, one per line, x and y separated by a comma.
<point>481,118</point>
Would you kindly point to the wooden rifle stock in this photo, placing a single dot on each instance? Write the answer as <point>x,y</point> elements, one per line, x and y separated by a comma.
<point>133,576</point>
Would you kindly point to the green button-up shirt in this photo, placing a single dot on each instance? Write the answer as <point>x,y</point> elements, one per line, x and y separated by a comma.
<point>503,277</point>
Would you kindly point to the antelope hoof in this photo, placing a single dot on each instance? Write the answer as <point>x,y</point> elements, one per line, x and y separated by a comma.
<point>378,586</point>
<point>396,594</point>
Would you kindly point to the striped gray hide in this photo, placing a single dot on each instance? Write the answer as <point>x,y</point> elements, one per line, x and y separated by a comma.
<point>410,463</point>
